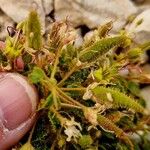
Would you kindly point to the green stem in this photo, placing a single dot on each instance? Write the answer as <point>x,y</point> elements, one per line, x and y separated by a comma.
<point>55,98</point>
<point>58,115</point>
<point>70,106</point>
<point>63,95</point>
<point>64,99</point>
<point>70,99</point>
<point>67,75</point>
<point>56,63</point>
<point>16,39</point>
<point>32,131</point>
<point>73,89</point>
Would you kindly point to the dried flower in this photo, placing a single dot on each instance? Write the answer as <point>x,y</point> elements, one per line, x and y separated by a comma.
<point>72,129</point>
<point>61,34</point>
<point>88,94</point>
<point>91,115</point>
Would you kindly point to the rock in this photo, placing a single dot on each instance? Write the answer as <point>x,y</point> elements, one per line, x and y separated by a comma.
<point>4,22</point>
<point>48,6</point>
<point>146,68</point>
<point>18,10</point>
<point>144,5</point>
<point>142,31</point>
<point>145,94</point>
<point>93,13</point>
<point>138,1</point>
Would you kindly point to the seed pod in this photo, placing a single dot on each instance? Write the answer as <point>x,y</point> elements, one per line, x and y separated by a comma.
<point>117,98</point>
<point>33,31</point>
<point>18,103</point>
<point>101,47</point>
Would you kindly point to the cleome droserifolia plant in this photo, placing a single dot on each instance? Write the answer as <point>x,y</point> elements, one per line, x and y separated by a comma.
<point>89,95</point>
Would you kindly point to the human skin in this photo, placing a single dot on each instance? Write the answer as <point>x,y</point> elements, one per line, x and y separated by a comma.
<point>18,103</point>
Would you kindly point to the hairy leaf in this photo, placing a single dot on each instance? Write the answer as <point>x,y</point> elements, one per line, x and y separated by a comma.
<point>36,75</point>
<point>106,124</point>
<point>33,31</point>
<point>101,47</point>
<point>117,98</point>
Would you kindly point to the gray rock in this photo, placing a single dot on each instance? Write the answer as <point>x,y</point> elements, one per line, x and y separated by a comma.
<point>4,22</point>
<point>93,13</point>
<point>145,93</point>
<point>18,10</point>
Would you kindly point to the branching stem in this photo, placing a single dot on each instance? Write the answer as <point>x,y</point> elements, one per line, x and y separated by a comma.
<point>64,99</point>
<point>63,95</point>
<point>56,62</point>
<point>73,89</point>
<point>70,99</point>
<point>55,98</point>
<point>70,106</point>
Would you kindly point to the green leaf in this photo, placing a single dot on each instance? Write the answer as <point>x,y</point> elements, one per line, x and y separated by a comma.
<point>134,53</point>
<point>37,75</point>
<point>49,100</point>
<point>109,126</point>
<point>12,51</point>
<point>117,98</point>
<point>27,146</point>
<point>98,74</point>
<point>85,141</point>
<point>101,47</point>
<point>134,88</point>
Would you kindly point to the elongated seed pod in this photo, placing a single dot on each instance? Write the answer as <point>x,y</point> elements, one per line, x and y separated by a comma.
<point>33,31</point>
<point>106,124</point>
<point>118,99</point>
<point>100,48</point>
